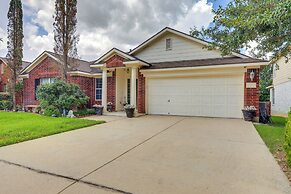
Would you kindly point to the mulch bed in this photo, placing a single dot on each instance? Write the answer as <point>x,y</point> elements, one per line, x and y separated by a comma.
<point>280,156</point>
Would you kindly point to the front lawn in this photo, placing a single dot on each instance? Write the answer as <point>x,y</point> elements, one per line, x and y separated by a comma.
<point>19,127</point>
<point>273,134</point>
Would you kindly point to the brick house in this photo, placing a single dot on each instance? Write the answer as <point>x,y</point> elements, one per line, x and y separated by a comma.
<point>5,74</point>
<point>168,74</point>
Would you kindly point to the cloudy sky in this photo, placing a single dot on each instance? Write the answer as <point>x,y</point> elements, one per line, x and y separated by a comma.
<point>106,24</point>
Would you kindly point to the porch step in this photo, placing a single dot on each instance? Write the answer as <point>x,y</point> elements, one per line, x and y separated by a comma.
<point>120,114</point>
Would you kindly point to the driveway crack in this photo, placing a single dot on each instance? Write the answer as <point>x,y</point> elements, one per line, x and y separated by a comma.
<point>99,186</point>
<point>122,154</point>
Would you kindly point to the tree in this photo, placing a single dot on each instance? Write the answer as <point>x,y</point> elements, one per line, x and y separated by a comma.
<point>266,79</point>
<point>65,36</point>
<point>15,44</point>
<point>266,22</point>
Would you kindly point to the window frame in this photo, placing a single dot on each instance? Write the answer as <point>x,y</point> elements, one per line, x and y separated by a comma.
<point>169,44</point>
<point>98,89</point>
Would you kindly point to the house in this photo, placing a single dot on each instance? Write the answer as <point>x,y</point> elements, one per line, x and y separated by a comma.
<point>5,77</point>
<point>45,69</point>
<point>280,91</point>
<point>168,74</point>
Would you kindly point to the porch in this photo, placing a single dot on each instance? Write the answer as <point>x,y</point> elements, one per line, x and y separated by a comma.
<point>122,82</point>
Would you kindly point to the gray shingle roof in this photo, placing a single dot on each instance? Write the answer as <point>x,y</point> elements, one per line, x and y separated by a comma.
<point>81,65</point>
<point>204,62</point>
<point>24,63</point>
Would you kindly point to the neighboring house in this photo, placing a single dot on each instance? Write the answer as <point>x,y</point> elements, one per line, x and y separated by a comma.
<point>169,74</point>
<point>280,91</point>
<point>5,77</point>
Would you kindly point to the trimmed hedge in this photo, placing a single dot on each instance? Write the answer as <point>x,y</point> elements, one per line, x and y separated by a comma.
<point>287,144</point>
<point>84,112</point>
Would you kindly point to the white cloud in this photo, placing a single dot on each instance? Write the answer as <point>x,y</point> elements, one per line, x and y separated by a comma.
<point>200,15</point>
<point>3,44</point>
<point>113,23</point>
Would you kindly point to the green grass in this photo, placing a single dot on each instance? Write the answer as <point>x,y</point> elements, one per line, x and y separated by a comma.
<point>19,127</point>
<point>274,133</point>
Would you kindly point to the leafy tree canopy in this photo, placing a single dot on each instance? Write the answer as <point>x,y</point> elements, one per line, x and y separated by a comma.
<point>266,22</point>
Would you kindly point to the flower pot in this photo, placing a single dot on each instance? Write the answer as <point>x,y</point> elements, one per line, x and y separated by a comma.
<point>109,107</point>
<point>99,110</point>
<point>129,112</point>
<point>249,115</point>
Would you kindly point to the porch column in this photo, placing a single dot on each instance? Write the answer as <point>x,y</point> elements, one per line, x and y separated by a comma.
<point>133,87</point>
<point>104,89</point>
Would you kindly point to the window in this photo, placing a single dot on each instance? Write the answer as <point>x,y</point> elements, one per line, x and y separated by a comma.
<point>168,44</point>
<point>99,89</point>
<point>47,81</point>
<point>41,81</point>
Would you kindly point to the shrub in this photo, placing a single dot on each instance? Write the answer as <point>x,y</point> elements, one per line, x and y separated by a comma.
<point>287,144</point>
<point>84,112</point>
<point>52,111</point>
<point>5,102</point>
<point>61,95</point>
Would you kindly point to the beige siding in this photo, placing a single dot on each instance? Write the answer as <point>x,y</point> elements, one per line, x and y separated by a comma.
<point>283,74</point>
<point>182,49</point>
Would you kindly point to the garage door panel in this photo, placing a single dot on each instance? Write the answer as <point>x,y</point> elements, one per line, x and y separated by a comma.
<point>201,96</point>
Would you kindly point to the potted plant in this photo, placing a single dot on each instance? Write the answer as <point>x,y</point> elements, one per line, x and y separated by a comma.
<point>109,106</point>
<point>129,109</point>
<point>249,113</point>
<point>99,109</point>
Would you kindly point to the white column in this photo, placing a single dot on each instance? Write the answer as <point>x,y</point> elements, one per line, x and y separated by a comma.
<point>133,87</point>
<point>104,89</point>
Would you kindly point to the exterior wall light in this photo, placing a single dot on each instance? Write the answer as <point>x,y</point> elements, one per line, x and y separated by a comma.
<point>252,75</point>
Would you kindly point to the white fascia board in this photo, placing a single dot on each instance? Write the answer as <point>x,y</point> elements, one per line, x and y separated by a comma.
<point>114,51</point>
<point>84,74</point>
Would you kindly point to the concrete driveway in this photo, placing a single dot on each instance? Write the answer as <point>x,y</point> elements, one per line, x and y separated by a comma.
<point>150,154</point>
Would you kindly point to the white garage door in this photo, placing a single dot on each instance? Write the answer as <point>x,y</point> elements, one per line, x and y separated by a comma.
<point>199,96</point>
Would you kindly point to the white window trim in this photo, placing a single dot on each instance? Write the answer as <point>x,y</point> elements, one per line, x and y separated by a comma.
<point>98,88</point>
<point>50,80</point>
<point>171,44</point>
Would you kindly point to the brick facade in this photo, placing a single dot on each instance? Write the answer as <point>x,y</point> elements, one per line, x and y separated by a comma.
<point>111,89</point>
<point>141,93</point>
<point>252,95</point>
<point>115,61</point>
<point>5,74</point>
<point>49,69</point>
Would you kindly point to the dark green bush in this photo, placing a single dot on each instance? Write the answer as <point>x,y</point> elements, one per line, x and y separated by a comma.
<point>61,95</point>
<point>84,112</point>
<point>5,102</point>
<point>287,144</point>
<point>51,111</point>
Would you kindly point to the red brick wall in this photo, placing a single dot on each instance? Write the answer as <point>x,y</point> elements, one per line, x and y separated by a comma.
<point>87,86</point>
<point>111,89</point>
<point>252,95</point>
<point>115,61</point>
<point>49,69</point>
<point>141,93</point>
<point>5,74</point>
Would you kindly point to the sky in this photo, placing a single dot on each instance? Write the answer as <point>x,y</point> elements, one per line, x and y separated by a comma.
<point>102,24</point>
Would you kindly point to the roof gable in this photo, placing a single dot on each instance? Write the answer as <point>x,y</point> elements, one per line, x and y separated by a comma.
<point>110,53</point>
<point>168,30</point>
<point>82,66</point>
